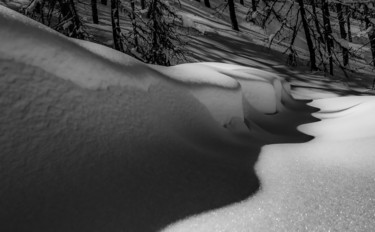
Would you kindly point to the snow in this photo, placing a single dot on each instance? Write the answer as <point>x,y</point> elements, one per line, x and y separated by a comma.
<point>60,60</point>
<point>94,140</point>
<point>198,74</point>
<point>261,89</point>
<point>201,24</point>
<point>342,42</point>
<point>257,85</point>
<point>16,4</point>
<point>325,184</point>
<point>353,112</point>
<point>32,6</point>
<point>187,21</point>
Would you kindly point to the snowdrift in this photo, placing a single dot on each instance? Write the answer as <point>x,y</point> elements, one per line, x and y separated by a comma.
<point>94,140</point>
<point>326,184</point>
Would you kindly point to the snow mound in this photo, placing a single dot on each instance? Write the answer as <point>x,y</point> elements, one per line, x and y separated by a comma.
<point>94,140</point>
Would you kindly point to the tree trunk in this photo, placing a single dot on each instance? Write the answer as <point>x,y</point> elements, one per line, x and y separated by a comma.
<point>152,15</point>
<point>77,21</point>
<point>134,24</point>
<point>68,10</point>
<point>41,11</point>
<point>348,14</point>
<point>316,21</point>
<point>207,3</point>
<point>327,33</point>
<point>371,34</point>
<point>292,61</point>
<point>50,12</point>
<point>104,2</point>
<point>308,35</point>
<point>295,32</point>
<point>345,51</point>
<point>232,12</point>
<point>116,31</point>
<point>254,5</point>
<point>94,11</point>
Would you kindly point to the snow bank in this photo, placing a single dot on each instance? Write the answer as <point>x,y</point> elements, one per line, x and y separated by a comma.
<point>97,62</point>
<point>94,140</point>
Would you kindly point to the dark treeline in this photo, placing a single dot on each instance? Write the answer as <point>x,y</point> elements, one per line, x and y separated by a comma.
<point>156,34</point>
<point>326,26</point>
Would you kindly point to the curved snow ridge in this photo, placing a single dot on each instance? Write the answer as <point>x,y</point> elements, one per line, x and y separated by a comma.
<point>238,86</point>
<point>95,66</point>
<point>222,88</point>
<point>266,91</point>
<point>109,53</point>
<point>339,103</point>
<point>6,12</point>
<point>252,72</point>
<point>74,61</point>
<point>219,93</point>
<point>345,118</point>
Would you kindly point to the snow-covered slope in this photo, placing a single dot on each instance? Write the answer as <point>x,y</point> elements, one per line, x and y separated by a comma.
<point>93,140</point>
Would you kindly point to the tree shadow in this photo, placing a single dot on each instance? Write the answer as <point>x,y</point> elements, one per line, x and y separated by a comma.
<point>222,47</point>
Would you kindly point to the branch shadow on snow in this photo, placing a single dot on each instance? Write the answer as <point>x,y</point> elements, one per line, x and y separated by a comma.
<point>222,47</point>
